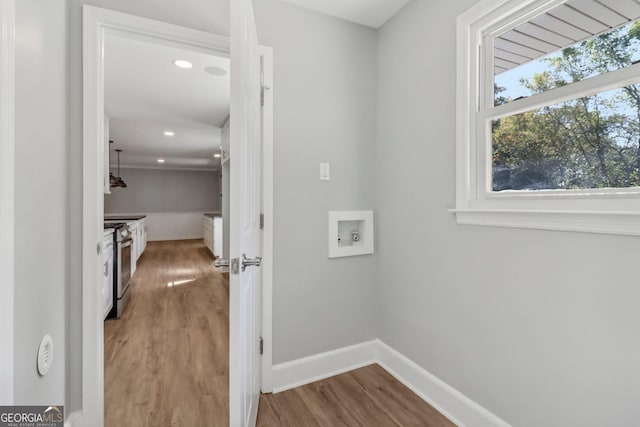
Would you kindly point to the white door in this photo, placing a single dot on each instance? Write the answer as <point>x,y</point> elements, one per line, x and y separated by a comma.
<point>245,235</point>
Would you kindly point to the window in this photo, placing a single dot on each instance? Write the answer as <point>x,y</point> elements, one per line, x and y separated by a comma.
<point>548,124</point>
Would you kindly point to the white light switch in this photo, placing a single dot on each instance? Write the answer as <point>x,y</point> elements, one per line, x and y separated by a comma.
<point>325,172</point>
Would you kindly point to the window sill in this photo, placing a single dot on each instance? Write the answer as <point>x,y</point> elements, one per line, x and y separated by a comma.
<point>620,223</point>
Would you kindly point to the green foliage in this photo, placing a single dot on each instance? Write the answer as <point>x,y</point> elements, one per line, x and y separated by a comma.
<point>591,142</point>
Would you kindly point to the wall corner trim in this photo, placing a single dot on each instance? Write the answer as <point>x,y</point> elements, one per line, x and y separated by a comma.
<point>451,403</point>
<point>73,419</point>
<point>7,197</point>
<point>323,365</point>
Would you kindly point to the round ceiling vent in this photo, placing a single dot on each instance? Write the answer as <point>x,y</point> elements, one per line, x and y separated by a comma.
<point>45,355</point>
<point>216,71</point>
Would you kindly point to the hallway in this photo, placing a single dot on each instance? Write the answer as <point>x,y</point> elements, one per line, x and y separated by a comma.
<point>166,359</point>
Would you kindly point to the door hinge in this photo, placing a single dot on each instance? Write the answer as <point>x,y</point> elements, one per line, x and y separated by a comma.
<point>261,221</point>
<point>261,345</point>
<point>235,266</point>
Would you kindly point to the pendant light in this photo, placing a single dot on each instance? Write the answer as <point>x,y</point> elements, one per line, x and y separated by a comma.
<point>117,181</point>
<point>113,182</point>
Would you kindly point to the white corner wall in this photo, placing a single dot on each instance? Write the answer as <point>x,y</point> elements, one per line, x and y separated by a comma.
<point>41,194</point>
<point>324,109</point>
<point>541,328</point>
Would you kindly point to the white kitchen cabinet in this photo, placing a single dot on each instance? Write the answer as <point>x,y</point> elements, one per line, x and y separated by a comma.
<point>212,234</point>
<point>107,272</point>
<point>133,227</point>
<point>217,237</point>
<point>140,239</point>
<point>207,233</point>
<point>139,233</point>
<point>144,234</point>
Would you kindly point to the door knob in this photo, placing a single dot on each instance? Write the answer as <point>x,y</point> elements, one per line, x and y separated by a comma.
<point>250,262</point>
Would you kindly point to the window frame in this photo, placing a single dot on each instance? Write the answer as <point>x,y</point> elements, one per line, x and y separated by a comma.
<point>608,210</point>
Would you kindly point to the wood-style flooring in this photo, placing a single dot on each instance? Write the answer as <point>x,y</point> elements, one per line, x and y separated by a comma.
<point>367,397</point>
<point>166,359</point>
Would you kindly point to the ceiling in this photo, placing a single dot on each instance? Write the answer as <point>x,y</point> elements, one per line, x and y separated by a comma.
<point>560,27</point>
<point>372,13</point>
<point>146,95</point>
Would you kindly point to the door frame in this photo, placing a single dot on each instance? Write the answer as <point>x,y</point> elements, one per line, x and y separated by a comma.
<point>98,22</point>
<point>7,197</point>
<point>267,210</point>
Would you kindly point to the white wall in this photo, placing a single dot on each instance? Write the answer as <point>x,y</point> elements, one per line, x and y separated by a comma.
<point>174,226</point>
<point>164,190</point>
<point>324,109</point>
<point>41,194</point>
<point>539,327</point>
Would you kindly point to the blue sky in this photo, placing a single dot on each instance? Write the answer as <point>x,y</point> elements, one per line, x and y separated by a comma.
<point>510,80</point>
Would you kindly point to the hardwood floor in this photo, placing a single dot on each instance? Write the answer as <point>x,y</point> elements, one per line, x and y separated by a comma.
<point>367,397</point>
<point>166,359</point>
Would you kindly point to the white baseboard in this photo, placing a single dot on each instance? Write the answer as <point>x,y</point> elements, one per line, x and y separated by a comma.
<point>454,405</point>
<point>73,419</point>
<point>324,365</point>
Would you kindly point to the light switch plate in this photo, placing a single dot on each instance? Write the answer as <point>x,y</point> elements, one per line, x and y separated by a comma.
<point>325,172</point>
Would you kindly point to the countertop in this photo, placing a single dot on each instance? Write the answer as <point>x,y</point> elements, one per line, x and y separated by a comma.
<point>123,217</point>
<point>213,214</point>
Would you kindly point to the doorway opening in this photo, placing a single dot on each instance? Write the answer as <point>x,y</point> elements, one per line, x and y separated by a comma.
<point>167,118</point>
<point>104,30</point>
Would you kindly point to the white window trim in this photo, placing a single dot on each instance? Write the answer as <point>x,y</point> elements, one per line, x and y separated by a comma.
<point>608,211</point>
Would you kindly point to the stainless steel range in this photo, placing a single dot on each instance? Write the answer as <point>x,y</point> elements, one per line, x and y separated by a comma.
<point>122,240</point>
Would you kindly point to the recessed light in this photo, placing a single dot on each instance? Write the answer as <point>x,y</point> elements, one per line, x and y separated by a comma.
<point>216,71</point>
<point>168,133</point>
<point>217,155</point>
<point>160,160</point>
<point>181,63</point>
